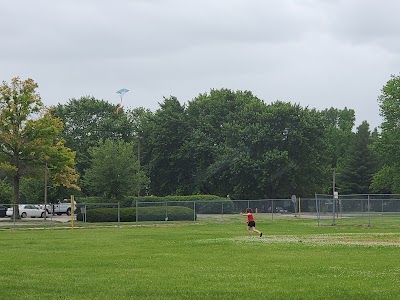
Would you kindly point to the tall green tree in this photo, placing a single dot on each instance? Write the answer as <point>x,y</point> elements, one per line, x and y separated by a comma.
<point>338,128</point>
<point>162,139</point>
<point>387,179</point>
<point>114,171</point>
<point>338,124</point>
<point>29,137</point>
<point>304,147</point>
<point>140,120</point>
<point>222,125</point>
<point>87,122</point>
<point>246,149</point>
<point>359,165</point>
<point>5,192</point>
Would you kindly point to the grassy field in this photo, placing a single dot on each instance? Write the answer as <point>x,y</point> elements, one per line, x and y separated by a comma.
<point>212,258</point>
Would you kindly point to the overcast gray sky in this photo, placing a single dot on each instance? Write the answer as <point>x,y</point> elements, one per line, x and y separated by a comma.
<point>318,53</point>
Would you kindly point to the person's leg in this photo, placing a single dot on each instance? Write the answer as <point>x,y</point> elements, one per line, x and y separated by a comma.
<point>249,230</point>
<point>259,232</point>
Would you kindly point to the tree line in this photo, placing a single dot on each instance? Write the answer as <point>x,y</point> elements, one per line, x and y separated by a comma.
<point>223,142</point>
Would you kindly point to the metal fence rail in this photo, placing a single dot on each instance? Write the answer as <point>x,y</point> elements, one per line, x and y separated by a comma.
<point>368,209</point>
<point>367,206</point>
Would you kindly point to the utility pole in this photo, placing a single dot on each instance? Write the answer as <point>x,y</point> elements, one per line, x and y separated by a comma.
<point>138,157</point>
<point>335,195</point>
<point>45,191</point>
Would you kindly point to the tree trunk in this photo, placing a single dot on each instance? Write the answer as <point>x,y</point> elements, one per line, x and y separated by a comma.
<point>16,196</point>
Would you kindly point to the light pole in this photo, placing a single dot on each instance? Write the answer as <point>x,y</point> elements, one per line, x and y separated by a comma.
<point>138,157</point>
<point>45,191</point>
<point>334,193</point>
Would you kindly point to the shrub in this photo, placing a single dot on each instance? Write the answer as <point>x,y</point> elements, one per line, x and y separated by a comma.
<point>124,202</point>
<point>215,207</point>
<point>158,213</point>
<point>128,214</point>
<point>190,198</point>
<point>205,204</point>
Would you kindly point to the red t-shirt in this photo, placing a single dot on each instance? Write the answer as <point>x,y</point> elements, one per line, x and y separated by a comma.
<point>250,217</point>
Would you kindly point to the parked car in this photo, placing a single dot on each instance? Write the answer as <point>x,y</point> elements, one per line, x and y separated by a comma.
<point>3,211</point>
<point>277,209</point>
<point>280,209</point>
<point>59,208</point>
<point>27,210</point>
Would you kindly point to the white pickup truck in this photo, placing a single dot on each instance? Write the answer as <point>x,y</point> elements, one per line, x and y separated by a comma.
<point>59,208</point>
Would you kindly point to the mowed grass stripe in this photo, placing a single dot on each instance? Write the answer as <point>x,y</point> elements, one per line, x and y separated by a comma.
<point>201,261</point>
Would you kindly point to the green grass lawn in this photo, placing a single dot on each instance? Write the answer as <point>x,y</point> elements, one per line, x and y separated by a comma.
<point>209,259</point>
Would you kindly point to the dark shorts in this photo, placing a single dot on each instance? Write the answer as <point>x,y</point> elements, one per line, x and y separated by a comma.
<point>251,224</point>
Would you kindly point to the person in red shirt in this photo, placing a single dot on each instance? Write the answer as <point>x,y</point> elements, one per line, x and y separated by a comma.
<point>251,224</point>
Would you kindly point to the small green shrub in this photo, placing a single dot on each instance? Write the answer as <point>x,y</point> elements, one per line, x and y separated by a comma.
<point>215,207</point>
<point>124,202</point>
<point>205,204</point>
<point>128,214</point>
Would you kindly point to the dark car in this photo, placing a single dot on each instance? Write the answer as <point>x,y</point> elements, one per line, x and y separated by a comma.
<point>2,211</point>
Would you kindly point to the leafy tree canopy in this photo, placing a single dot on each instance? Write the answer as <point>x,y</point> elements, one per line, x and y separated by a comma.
<point>359,165</point>
<point>114,171</point>
<point>387,179</point>
<point>29,137</point>
<point>87,121</point>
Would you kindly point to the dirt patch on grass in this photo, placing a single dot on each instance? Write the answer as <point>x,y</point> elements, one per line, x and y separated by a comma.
<point>371,239</point>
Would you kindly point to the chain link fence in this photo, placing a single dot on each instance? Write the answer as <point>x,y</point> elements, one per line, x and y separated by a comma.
<point>360,209</point>
<point>365,210</point>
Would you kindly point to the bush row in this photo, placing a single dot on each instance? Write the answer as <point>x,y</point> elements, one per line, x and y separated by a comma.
<point>190,198</point>
<point>205,204</point>
<point>128,214</point>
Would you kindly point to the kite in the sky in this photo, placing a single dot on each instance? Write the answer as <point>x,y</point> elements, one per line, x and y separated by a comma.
<point>121,93</point>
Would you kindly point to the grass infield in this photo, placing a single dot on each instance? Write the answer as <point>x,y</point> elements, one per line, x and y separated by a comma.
<point>208,259</point>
